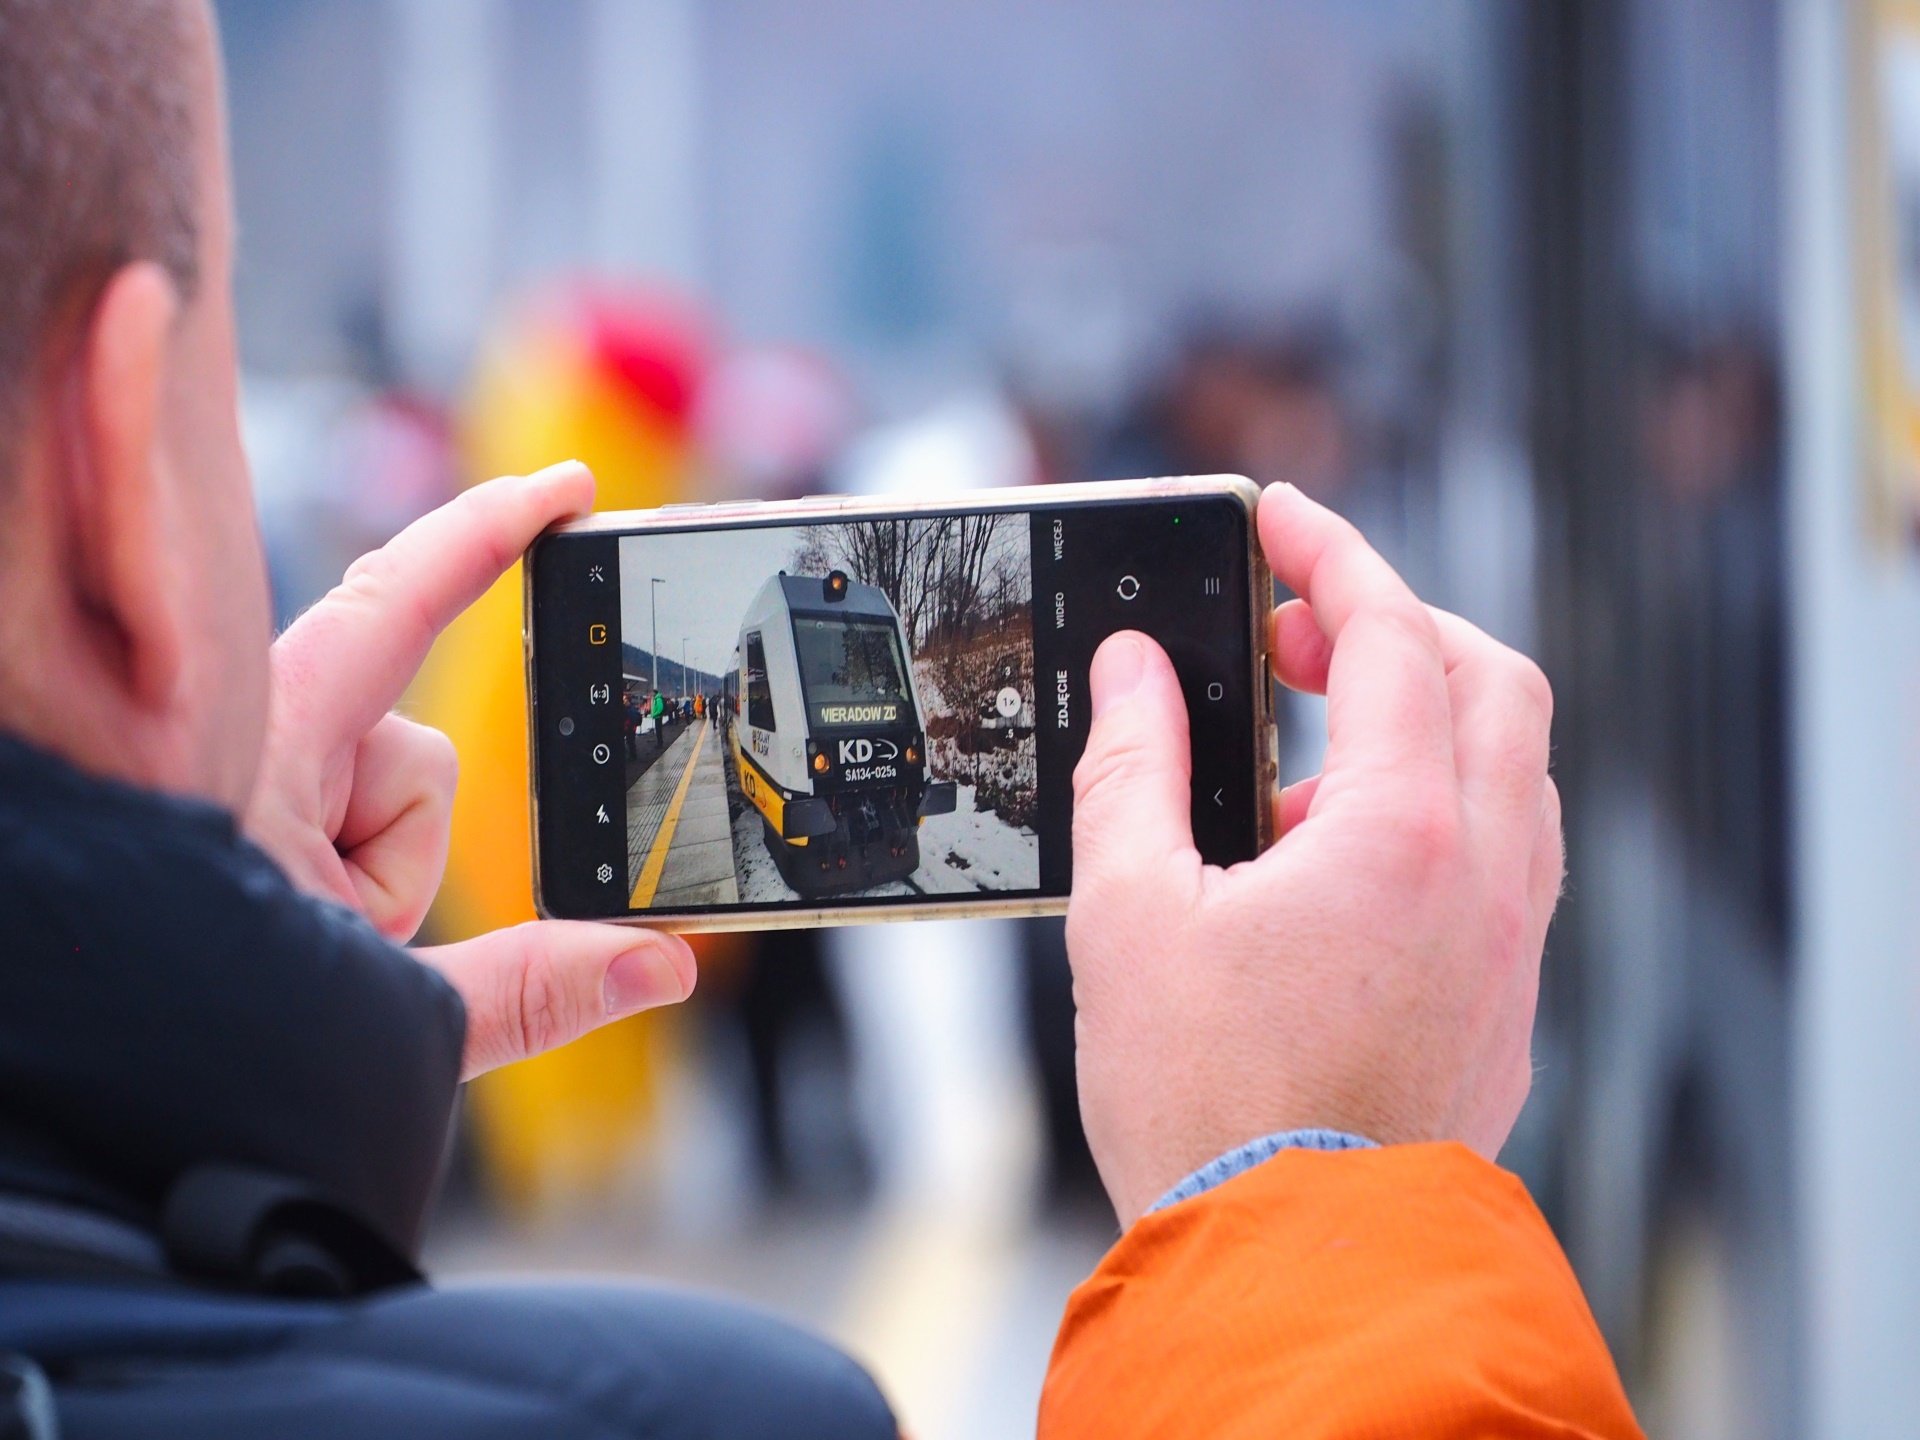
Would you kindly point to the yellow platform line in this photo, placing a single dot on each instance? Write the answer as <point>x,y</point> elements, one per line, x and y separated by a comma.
<point>657,856</point>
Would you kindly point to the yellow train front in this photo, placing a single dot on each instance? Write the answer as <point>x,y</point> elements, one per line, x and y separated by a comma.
<point>829,734</point>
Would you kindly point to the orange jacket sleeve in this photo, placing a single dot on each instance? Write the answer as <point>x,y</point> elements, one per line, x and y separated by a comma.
<point>1412,1290</point>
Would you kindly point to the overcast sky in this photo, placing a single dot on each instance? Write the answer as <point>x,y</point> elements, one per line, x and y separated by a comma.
<point>711,578</point>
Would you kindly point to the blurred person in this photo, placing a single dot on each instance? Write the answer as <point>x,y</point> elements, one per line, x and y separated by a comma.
<point>337,470</point>
<point>225,1088</point>
<point>771,420</point>
<point>1710,438</point>
<point>611,374</point>
<point>367,470</point>
<point>630,708</point>
<point>657,708</point>
<point>1263,403</point>
<point>1687,858</point>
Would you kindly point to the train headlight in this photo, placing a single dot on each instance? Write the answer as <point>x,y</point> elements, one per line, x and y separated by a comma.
<point>913,755</point>
<point>820,764</point>
<point>835,585</point>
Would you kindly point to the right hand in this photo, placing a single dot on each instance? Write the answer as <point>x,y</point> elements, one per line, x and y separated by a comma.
<point>1376,970</point>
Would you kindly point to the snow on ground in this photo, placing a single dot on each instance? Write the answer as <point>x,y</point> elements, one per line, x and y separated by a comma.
<point>976,850</point>
<point>960,854</point>
<point>754,872</point>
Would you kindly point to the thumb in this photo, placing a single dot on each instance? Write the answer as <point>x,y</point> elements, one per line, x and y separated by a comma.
<point>537,986</point>
<point>1132,790</point>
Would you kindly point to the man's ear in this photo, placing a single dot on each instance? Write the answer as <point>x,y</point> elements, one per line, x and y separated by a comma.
<point>123,548</point>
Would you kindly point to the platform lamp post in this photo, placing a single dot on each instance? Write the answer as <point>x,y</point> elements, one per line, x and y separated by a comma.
<point>685,689</point>
<point>653,598</point>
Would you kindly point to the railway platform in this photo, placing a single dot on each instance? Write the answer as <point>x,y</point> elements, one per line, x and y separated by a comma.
<point>679,836</point>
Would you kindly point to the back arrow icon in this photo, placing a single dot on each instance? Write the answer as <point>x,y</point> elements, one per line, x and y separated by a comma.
<point>1216,797</point>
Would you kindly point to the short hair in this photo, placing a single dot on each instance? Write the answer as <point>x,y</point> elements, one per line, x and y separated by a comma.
<point>97,162</point>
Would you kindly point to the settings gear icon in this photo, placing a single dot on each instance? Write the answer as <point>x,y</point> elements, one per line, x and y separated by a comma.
<point>604,873</point>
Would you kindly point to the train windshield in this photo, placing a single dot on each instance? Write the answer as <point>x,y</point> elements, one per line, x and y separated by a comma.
<point>852,670</point>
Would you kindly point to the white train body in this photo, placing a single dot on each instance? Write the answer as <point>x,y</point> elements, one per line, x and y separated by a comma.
<point>828,733</point>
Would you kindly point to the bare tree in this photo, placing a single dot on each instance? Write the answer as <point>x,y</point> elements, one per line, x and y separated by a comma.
<point>962,554</point>
<point>891,555</point>
<point>942,573</point>
<point>813,555</point>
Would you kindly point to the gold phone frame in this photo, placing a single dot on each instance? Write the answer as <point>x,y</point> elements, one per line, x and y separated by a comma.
<point>723,515</point>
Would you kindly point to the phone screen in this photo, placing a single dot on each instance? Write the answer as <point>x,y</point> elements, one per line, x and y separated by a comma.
<point>864,711</point>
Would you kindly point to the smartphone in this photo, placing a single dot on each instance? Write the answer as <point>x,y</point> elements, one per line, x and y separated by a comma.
<point>837,709</point>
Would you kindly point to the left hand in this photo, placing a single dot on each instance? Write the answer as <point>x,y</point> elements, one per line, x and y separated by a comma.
<point>355,801</point>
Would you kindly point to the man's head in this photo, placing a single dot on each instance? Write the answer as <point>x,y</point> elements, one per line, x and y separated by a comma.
<point>133,605</point>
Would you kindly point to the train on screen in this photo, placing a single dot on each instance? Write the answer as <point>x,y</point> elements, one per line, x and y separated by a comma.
<point>828,734</point>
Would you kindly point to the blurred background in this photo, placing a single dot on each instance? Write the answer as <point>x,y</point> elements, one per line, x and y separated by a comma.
<point>1602,317</point>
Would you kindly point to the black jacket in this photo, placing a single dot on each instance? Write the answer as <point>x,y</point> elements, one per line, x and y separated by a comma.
<point>197,1059</point>
<point>192,1047</point>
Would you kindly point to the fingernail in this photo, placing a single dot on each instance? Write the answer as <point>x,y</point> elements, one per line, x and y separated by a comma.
<point>1117,668</point>
<point>641,979</point>
<point>554,474</point>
